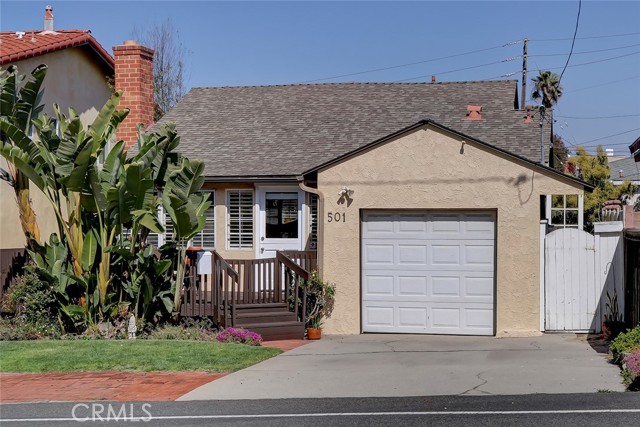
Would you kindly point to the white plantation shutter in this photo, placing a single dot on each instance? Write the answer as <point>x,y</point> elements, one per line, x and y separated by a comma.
<point>313,220</point>
<point>158,240</point>
<point>240,220</point>
<point>206,239</point>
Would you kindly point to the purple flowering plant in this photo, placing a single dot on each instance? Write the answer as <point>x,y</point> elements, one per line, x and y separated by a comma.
<point>632,362</point>
<point>239,335</point>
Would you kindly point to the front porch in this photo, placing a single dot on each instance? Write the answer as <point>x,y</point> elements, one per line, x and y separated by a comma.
<point>255,294</point>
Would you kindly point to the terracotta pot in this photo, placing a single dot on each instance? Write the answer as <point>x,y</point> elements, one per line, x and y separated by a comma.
<point>314,333</point>
<point>610,330</point>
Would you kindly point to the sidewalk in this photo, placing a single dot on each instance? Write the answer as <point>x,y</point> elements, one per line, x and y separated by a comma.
<point>111,385</point>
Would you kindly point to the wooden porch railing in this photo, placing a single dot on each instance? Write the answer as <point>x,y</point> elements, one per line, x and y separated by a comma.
<point>235,282</point>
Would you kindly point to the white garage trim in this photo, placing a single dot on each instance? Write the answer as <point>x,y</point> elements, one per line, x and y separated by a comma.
<point>428,272</point>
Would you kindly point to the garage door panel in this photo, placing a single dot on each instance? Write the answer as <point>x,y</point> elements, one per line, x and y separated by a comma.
<point>412,254</point>
<point>428,273</point>
<point>379,285</point>
<point>380,317</point>
<point>412,285</point>
<point>412,317</point>
<point>379,254</point>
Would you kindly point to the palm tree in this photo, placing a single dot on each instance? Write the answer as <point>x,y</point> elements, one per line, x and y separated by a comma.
<point>547,88</point>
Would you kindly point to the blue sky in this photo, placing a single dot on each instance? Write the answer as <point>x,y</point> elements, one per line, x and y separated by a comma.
<point>260,43</point>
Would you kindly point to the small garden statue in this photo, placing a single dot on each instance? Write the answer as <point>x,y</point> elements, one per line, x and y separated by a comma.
<point>132,329</point>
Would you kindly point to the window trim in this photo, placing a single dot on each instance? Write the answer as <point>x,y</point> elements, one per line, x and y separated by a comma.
<point>580,209</point>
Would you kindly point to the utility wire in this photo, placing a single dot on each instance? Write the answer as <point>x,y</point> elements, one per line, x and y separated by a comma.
<point>587,51</point>
<point>603,84</point>
<point>592,62</point>
<point>583,143</point>
<point>586,38</point>
<point>597,117</point>
<point>413,63</point>
<point>573,42</point>
<point>459,69</point>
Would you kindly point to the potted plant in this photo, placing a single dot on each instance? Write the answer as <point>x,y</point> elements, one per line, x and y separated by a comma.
<point>319,304</point>
<point>612,325</point>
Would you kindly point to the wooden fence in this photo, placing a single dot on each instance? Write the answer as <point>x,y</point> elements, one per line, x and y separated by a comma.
<point>632,277</point>
<point>580,270</point>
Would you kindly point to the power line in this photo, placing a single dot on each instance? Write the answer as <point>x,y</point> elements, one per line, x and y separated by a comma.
<point>597,117</point>
<point>412,63</point>
<point>592,62</point>
<point>587,38</point>
<point>573,42</point>
<point>459,69</point>
<point>587,51</point>
<point>583,143</point>
<point>603,84</point>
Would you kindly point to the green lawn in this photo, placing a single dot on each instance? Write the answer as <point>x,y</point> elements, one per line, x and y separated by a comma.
<point>125,355</point>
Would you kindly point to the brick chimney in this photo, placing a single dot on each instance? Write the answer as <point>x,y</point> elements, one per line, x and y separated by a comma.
<point>134,76</point>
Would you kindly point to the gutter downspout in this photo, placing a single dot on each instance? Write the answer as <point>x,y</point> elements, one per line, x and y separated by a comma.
<point>320,214</point>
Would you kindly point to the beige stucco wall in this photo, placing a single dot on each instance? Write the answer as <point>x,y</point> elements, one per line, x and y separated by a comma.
<point>73,80</point>
<point>429,169</point>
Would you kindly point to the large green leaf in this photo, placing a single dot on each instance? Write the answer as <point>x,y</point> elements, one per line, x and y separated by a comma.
<point>89,249</point>
<point>28,106</point>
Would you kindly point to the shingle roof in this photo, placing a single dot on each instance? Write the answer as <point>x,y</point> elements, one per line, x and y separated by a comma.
<point>27,44</point>
<point>286,130</point>
<point>630,169</point>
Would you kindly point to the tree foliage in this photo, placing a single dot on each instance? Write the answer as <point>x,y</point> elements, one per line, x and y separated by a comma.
<point>560,153</point>
<point>547,89</point>
<point>105,205</point>
<point>596,171</point>
<point>168,64</point>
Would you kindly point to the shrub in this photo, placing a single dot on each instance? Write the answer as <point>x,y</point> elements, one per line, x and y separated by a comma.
<point>238,335</point>
<point>624,343</point>
<point>35,310</point>
<point>18,330</point>
<point>182,333</point>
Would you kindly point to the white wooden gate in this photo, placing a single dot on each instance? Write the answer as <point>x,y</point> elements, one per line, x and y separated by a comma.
<point>579,269</point>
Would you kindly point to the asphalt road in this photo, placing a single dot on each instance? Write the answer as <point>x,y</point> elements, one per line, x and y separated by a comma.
<point>596,409</point>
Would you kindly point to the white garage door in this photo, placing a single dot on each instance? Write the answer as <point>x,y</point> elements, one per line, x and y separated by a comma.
<point>428,273</point>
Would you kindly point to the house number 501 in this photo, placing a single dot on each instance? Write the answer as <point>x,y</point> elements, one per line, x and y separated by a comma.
<point>336,217</point>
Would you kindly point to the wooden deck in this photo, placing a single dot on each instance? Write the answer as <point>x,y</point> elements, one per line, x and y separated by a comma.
<point>254,294</point>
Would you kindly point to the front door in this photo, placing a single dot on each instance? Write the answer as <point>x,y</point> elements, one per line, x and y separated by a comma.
<point>280,221</point>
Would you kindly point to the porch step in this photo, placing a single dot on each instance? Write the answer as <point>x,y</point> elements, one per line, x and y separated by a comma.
<point>259,316</point>
<point>262,306</point>
<point>272,331</point>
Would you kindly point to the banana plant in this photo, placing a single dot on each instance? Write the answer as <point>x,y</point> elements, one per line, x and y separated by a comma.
<point>20,105</point>
<point>186,206</point>
<point>105,203</point>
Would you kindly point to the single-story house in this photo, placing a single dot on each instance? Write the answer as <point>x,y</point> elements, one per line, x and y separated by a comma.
<point>422,200</point>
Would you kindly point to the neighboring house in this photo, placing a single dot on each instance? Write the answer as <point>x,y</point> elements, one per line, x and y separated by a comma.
<point>628,169</point>
<point>423,201</point>
<point>81,75</point>
<point>635,149</point>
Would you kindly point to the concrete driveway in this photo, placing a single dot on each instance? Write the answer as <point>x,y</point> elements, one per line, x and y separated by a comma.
<point>414,365</point>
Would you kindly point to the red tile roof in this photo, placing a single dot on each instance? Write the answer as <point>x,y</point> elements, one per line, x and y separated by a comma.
<point>33,43</point>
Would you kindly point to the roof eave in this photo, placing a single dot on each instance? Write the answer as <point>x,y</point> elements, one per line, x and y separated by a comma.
<point>425,122</point>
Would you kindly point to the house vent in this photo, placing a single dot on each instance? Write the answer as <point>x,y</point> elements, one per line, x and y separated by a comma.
<point>474,112</point>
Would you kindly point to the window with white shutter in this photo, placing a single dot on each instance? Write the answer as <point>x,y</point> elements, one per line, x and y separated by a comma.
<point>206,239</point>
<point>240,219</point>
<point>313,221</point>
